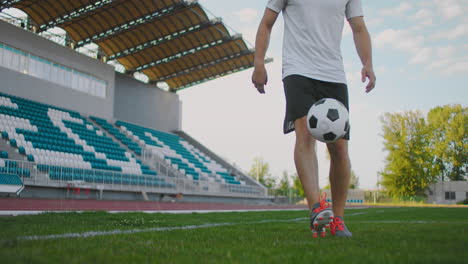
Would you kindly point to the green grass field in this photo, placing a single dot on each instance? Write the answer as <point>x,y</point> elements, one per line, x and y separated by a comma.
<point>381,235</point>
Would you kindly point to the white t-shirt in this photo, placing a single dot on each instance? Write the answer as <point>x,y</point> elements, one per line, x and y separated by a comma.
<point>312,36</point>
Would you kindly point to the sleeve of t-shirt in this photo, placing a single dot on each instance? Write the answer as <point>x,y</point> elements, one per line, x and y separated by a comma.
<point>354,9</point>
<point>276,5</point>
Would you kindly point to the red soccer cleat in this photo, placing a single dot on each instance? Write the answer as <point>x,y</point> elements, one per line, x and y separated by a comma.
<point>321,216</point>
<point>339,229</point>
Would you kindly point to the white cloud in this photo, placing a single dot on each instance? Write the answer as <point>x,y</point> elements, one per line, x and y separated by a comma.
<point>447,60</point>
<point>450,8</point>
<point>457,67</point>
<point>422,14</point>
<point>247,15</point>
<point>381,69</point>
<point>374,22</point>
<point>397,11</point>
<point>446,51</point>
<point>461,30</point>
<point>449,66</point>
<point>404,40</point>
<point>422,18</point>
<point>353,78</point>
<point>249,33</point>
<point>422,56</point>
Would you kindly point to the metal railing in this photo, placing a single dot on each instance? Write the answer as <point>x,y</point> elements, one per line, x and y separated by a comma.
<point>156,162</point>
<point>33,174</point>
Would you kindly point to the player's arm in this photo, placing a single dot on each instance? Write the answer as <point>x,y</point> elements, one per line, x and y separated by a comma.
<point>364,48</point>
<point>259,76</point>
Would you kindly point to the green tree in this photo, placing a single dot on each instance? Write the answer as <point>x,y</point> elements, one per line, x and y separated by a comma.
<point>297,185</point>
<point>260,170</point>
<point>448,127</point>
<point>354,181</point>
<point>407,170</point>
<point>284,186</point>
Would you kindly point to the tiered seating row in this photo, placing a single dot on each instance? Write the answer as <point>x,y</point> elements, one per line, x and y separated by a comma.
<point>117,134</point>
<point>10,179</point>
<point>11,167</point>
<point>179,153</point>
<point>10,172</point>
<point>143,135</point>
<point>137,133</point>
<point>58,137</point>
<point>107,177</point>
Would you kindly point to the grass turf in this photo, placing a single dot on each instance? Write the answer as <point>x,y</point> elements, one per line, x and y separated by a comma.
<point>381,235</point>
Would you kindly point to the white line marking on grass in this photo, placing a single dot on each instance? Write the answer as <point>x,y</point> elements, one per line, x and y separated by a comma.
<point>359,213</point>
<point>208,211</point>
<point>26,212</point>
<point>406,222</point>
<point>154,229</point>
<point>119,232</point>
<point>158,229</point>
<point>208,225</point>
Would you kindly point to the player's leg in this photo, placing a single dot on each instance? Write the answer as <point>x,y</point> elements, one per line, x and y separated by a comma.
<point>305,159</point>
<point>340,173</point>
<point>301,92</point>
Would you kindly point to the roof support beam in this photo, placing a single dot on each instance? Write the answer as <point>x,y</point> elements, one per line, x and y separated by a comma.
<point>184,53</point>
<point>209,78</point>
<point>201,66</point>
<point>238,69</point>
<point>162,40</point>
<point>167,11</point>
<point>74,14</point>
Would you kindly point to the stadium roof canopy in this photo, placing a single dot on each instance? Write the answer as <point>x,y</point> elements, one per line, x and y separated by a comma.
<point>171,41</point>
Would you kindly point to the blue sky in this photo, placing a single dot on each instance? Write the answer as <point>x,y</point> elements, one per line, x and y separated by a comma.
<point>420,58</point>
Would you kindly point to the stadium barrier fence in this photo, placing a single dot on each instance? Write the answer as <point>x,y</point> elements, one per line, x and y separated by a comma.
<point>33,174</point>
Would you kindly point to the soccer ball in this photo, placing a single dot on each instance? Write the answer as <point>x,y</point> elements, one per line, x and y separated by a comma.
<point>328,120</point>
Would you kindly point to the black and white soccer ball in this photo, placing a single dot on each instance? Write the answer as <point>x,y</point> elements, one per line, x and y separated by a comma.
<point>328,120</point>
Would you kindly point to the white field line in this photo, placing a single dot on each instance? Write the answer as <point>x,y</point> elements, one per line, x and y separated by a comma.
<point>208,225</point>
<point>407,222</point>
<point>154,229</point>
<point>26,212</point>
<point>157,229</point>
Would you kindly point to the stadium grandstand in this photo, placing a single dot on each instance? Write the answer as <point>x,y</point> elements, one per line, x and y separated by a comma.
<point>89,105</point>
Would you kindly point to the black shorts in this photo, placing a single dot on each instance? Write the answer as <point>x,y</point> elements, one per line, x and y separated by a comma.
<point>302,92</point>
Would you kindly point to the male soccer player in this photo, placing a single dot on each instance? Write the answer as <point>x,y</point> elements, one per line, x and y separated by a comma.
<point>312,70</point>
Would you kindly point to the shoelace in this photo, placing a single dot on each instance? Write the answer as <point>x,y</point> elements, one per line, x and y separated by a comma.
<point>323,204</point>
<point>337,224</point>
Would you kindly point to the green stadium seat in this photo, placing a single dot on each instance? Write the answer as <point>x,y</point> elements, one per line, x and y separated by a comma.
<point>10,179</point>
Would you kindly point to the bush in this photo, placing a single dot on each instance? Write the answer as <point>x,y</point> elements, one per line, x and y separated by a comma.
<point>463,202</point>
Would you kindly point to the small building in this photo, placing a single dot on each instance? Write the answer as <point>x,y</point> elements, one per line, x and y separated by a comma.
<point>447,192</point>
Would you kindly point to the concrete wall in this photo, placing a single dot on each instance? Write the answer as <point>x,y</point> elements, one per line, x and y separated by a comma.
<point>437,192</point>
<point>146,105</point>
<point>29,87</point>
<point>62,193</point>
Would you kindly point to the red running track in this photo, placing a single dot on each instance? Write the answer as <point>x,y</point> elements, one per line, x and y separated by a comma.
<point>26,204</point>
